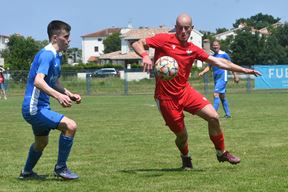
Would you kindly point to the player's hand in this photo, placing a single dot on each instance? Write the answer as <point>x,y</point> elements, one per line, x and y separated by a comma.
<point>236,79</point>
<point>76,97</point>
<point>253,72</point>
<point>200,74</point>
<point>147,63</point>
<point>64,100</point>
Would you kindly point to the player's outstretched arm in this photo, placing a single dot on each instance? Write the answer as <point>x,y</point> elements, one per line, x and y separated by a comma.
<point>228,65</point>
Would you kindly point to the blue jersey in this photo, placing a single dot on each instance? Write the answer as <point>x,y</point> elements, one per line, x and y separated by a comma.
<point>219,73</point>
<point>48,62</point>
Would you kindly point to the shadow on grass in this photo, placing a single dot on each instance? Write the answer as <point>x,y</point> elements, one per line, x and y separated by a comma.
<point>46,178</point>
<point>158,172</point>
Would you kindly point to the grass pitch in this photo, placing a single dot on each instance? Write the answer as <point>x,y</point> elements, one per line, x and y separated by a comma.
<point>122,144</point>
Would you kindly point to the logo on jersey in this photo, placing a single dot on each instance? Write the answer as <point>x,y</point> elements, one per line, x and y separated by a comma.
<point>173,46</point>
<point>189,52</point>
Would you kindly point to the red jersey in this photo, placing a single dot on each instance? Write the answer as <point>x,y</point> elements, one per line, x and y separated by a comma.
<point>168,45</point>
<point>1,78</point>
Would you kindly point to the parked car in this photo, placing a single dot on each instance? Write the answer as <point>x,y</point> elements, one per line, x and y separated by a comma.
<point>105,72</point>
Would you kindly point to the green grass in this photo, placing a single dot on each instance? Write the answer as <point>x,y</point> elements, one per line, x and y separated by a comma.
<point>122,144</point>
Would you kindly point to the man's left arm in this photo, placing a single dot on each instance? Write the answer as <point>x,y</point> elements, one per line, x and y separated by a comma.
<point>228,65</point>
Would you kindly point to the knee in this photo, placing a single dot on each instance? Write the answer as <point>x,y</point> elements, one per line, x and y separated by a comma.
<point>182,137</point>
<point>216,94</point>
<point>40,146</point>
<point>72,126</point>
<point>214,118</point>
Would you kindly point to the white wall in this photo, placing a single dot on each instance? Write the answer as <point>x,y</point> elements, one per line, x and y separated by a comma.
<point>134,76</point>
<point>196,39</point>
<point>124,46</point>
<point>88,47</point>
<point>3,42</point>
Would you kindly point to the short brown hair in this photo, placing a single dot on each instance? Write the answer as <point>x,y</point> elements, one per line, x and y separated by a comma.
<point>55,27</point>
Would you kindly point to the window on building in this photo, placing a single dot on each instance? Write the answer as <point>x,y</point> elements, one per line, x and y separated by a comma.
<point>99,39</point>
<point>96,49</point>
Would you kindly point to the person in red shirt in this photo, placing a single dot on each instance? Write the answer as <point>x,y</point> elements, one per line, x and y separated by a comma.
<point>175,96</point>
<point>2,87</point>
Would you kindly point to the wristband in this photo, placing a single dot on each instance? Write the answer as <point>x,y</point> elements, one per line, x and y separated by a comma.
<point>144,54</point>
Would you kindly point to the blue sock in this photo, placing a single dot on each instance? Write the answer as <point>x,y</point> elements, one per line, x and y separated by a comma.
<point>226,106</point>
<point>216,103</point>
<point>64,148</point>
<point>33,157</point>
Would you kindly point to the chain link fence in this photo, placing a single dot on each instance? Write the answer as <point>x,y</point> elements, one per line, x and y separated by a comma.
<point>83,83</point>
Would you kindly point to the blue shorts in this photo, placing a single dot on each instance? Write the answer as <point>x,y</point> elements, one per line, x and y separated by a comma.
<point>43,121</point>
<point>220,86</point>
<point>2,86</point>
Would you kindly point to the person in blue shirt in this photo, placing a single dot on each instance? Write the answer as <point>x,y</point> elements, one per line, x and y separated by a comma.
<point>43,83</point>
<point>220,79</point>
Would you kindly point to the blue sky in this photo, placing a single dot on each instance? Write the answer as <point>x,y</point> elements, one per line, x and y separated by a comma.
<point>30,17</point>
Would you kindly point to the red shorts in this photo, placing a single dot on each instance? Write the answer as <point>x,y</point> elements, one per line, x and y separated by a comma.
<point>172,110</point>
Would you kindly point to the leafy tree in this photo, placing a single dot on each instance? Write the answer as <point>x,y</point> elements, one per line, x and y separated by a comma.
<point>208,35</point>
<point>221,30</point>
<point>19,55</point>
<point>273,52</point>
<point>112,43</point>
<point>72,53</point>
<point>281,33</point>
<point>245,47</point>
<point>20,52</point>
<point>239,21</point>
<point>225,44</point>
<point>257,21</point>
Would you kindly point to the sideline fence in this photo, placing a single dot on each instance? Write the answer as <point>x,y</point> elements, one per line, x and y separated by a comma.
<point>16,80</point>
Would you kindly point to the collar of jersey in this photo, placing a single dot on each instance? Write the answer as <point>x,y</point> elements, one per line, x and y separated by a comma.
<point>50,47</point>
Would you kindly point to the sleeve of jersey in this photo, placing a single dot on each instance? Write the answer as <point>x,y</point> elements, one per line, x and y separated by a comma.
<point>227,57</point>
<point>156,41</point>
<point>202,55</point>
<point>44,62</point>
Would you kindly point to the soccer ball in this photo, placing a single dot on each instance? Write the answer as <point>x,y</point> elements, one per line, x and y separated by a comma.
<point>166,68</point>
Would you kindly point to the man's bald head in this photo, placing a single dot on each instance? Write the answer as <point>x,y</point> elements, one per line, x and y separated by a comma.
<point>183,28</point>
<point>184,19</point>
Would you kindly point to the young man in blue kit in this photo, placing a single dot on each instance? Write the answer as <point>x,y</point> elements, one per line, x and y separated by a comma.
<point>220,79</point>
<point>43,83</point>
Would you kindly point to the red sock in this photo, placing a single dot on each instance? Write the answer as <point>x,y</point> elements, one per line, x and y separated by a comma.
<point>184,151</point>
<point>218,141</point>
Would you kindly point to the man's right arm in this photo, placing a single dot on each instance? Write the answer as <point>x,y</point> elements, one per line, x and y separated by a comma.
<point>139,47</point>
<point>41,84</point>
<point>205,70</point>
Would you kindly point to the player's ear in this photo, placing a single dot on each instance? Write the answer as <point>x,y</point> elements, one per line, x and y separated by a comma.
<point>53,39</point>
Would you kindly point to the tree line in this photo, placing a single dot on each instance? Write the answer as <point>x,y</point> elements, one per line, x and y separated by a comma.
<point>250,47</point>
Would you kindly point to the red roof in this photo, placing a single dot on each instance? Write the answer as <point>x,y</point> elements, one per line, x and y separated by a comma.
<point>92,59</point>
<point>103,33</point>
<point>117,55</point>
<point>144,32</point>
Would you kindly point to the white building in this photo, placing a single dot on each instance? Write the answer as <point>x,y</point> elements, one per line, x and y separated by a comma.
<point>3,45</point>
<point>92,44</point>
